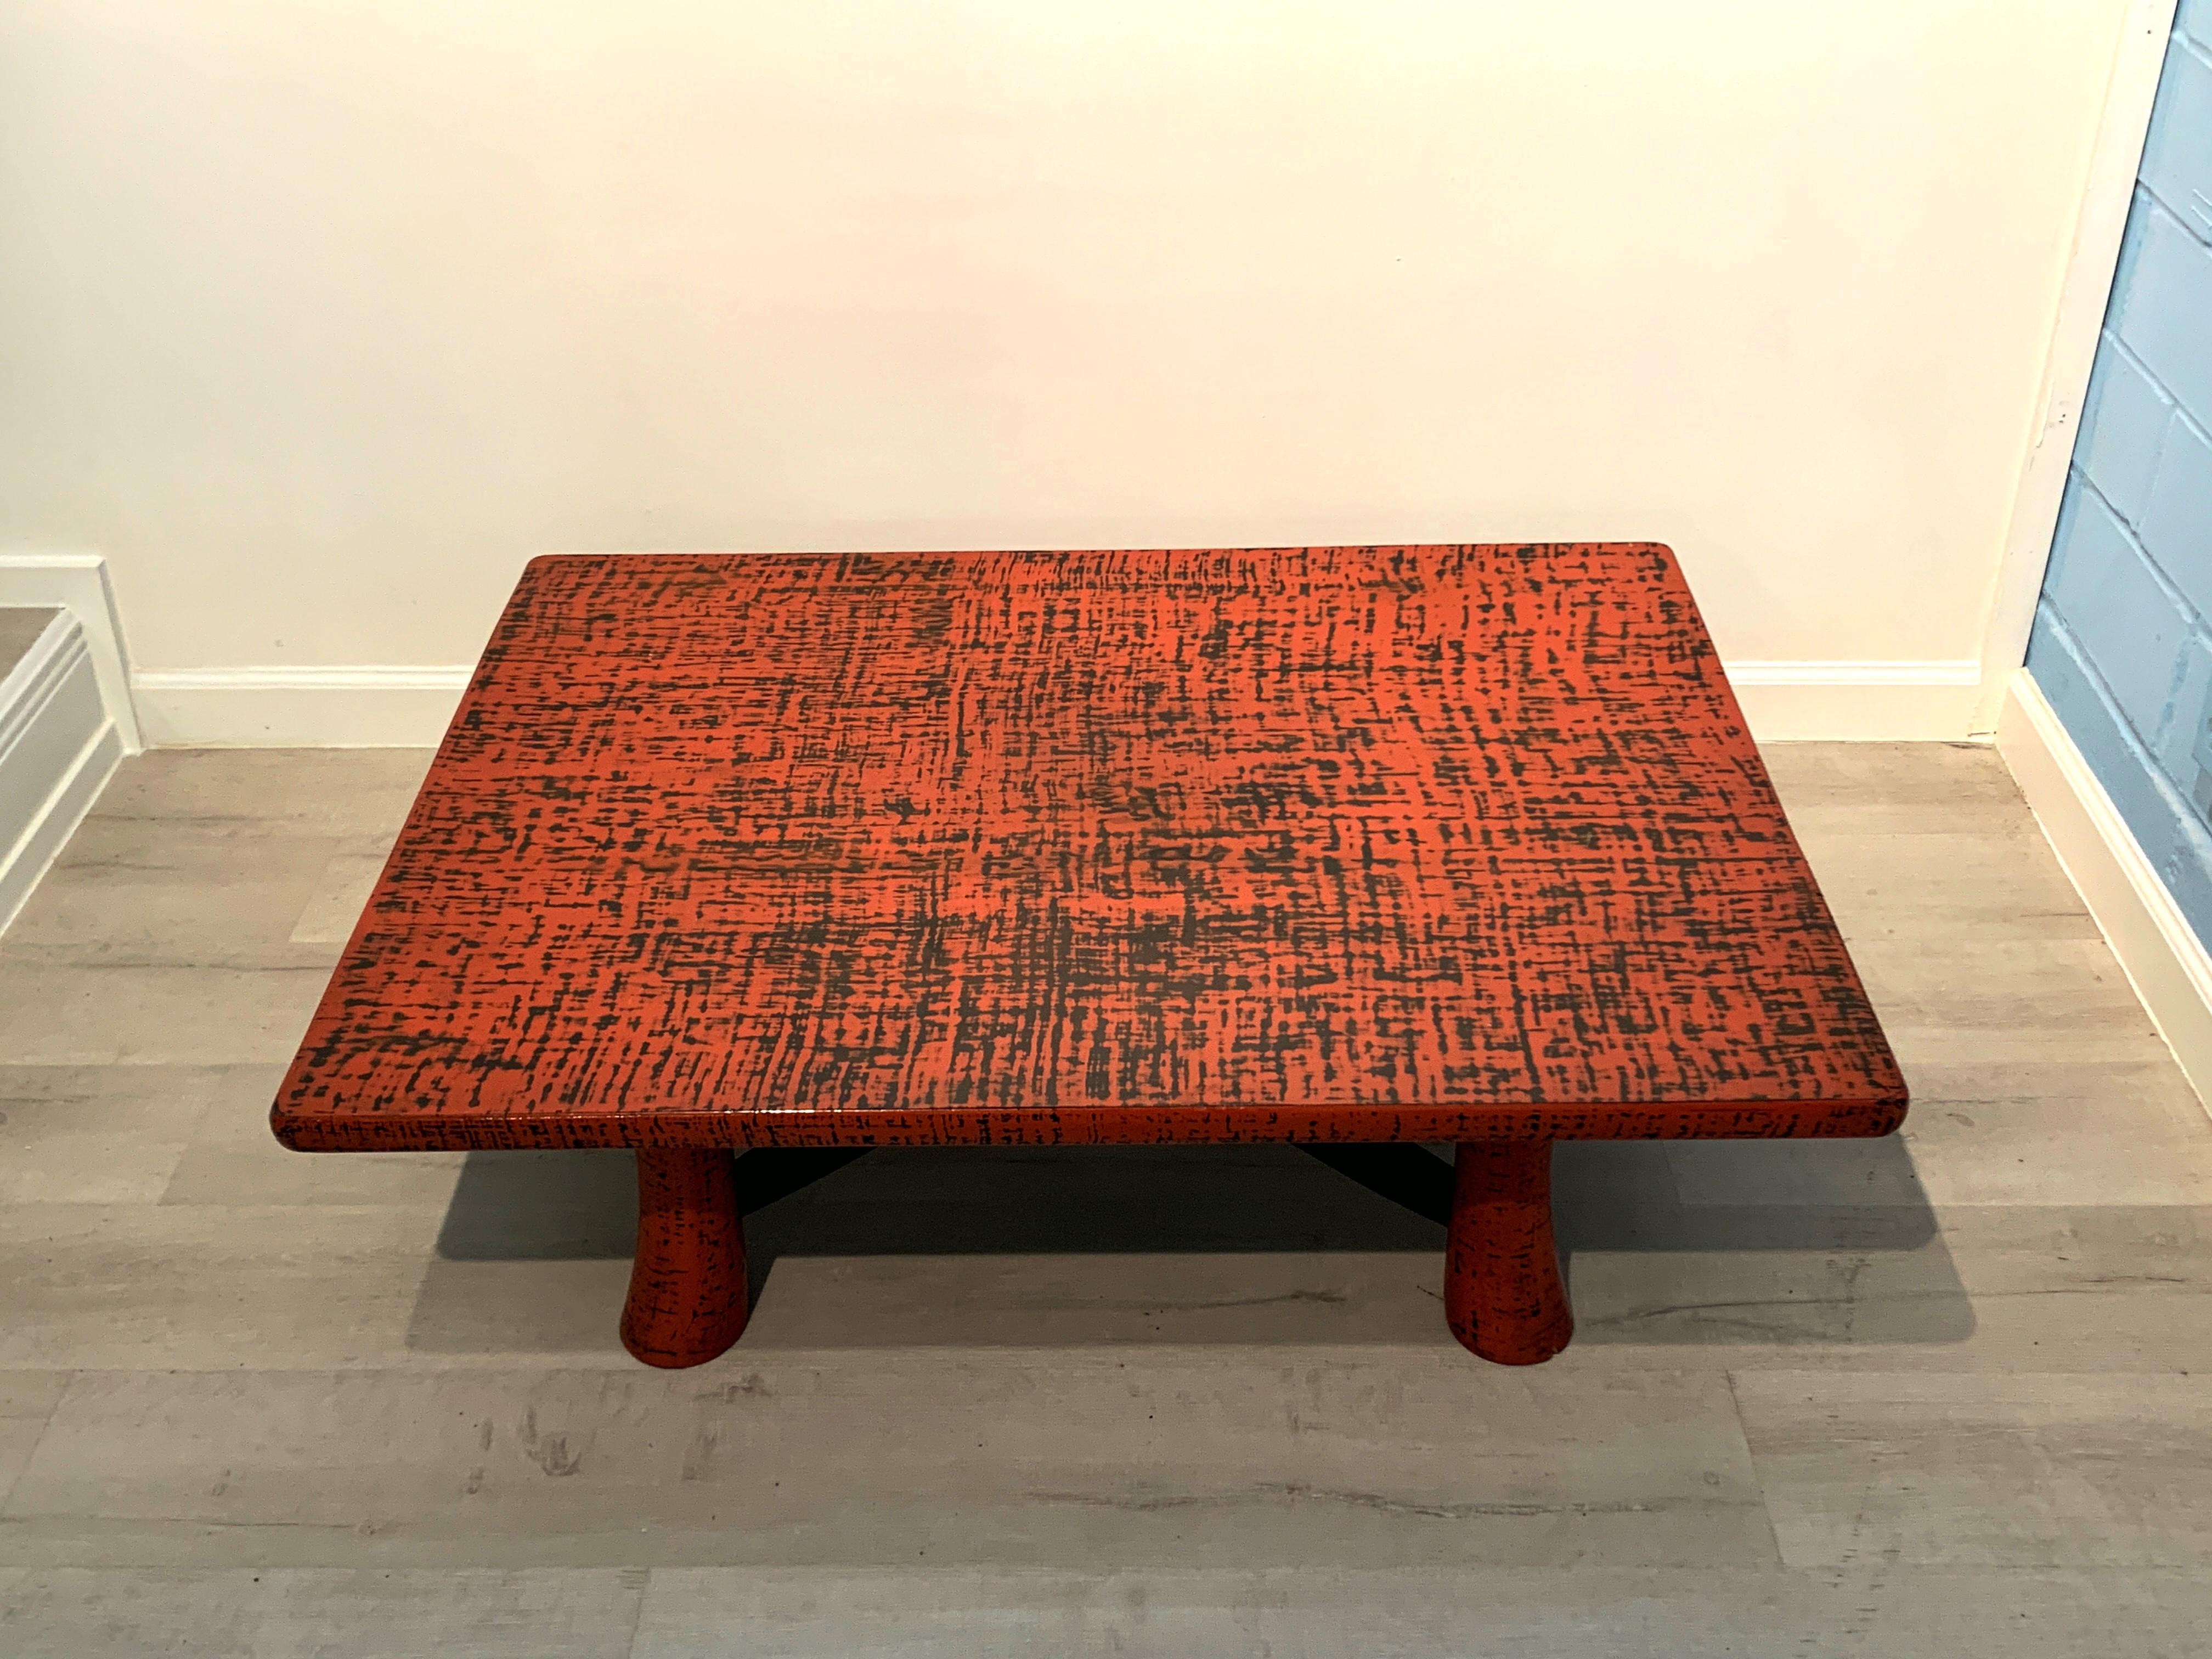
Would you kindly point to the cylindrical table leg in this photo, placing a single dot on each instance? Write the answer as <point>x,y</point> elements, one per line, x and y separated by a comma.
<point>1502,1297</point>
<point>687,1285</point>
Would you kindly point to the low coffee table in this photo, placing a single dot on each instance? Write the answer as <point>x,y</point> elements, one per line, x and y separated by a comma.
<point>1319,845</point>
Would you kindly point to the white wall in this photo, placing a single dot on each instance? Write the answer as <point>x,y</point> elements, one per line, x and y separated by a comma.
<point>319,318</point>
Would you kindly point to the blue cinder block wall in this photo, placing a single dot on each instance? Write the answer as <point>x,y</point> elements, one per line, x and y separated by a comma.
<point>2123,639</point>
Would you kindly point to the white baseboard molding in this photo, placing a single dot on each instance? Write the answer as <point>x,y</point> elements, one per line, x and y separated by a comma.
<point>59,746</point>
<point>366,707</point>
<point>375,706</point>
<point>2161,955</point>
<point>78,583</point>
<point>1857,701</point>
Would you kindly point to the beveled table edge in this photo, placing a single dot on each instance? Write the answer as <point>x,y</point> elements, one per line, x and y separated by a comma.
<point>312,1131</point>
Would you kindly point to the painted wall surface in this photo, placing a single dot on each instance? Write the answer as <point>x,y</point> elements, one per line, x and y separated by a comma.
<point>319,319</point>
<point>2123,639</point>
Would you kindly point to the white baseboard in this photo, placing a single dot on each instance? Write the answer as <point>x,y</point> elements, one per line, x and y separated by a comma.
<point>364,708</point>
<point>398,707</point>
<point>59,746</point>
<point>1857,701</point>
<point>78,583</point>
<point>2161,955</point>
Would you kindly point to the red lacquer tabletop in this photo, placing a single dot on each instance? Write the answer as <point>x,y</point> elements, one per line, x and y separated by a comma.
<point>1330,843</point>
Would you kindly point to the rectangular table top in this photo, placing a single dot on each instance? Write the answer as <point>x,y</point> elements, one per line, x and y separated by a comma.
<point>1302,843</point>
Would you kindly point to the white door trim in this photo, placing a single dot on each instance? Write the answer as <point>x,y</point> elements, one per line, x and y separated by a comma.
<point>2106,195</point>
<point>58,746</point>
<point>78,583</point>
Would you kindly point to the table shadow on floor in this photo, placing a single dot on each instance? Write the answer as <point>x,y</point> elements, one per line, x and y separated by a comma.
<point>1616,1203</point>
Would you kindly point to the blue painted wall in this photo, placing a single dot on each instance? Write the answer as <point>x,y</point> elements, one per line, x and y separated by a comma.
<point>2123,639</point>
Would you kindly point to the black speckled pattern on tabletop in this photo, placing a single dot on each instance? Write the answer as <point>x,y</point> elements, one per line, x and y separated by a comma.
<point>1434,843</point>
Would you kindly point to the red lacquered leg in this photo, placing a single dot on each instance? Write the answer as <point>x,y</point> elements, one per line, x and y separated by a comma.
<point>687,1286</point>
<point>1502,1292</point>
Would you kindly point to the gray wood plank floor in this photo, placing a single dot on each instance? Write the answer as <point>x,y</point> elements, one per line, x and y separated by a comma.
<point>1944,1394</point>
